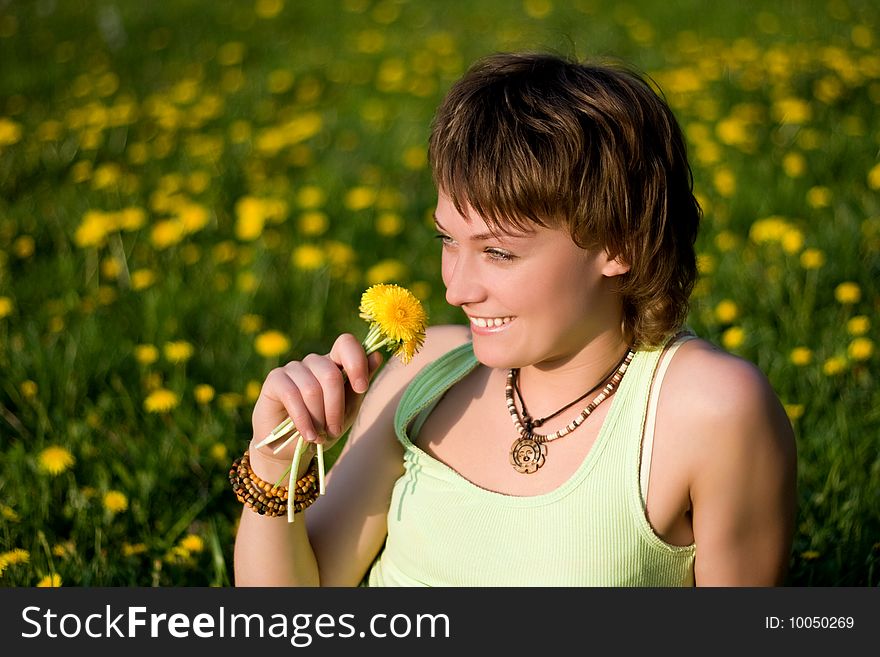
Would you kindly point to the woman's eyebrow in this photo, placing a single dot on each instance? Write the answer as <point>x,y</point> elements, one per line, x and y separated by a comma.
<point>482,237</point>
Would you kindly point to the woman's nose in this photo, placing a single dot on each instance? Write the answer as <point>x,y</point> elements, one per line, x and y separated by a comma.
<point>461,279</point>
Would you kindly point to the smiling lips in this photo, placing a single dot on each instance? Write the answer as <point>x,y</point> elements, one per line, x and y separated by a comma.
<point>490,322</point>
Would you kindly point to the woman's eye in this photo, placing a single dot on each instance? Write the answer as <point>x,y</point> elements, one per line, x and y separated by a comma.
<point>444,239</point>
<point>498,254</point>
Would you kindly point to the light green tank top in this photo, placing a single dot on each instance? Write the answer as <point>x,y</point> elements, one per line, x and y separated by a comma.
<point>444,530</point>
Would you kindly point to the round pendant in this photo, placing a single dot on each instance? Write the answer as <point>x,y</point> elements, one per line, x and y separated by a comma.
<point>527,455</point>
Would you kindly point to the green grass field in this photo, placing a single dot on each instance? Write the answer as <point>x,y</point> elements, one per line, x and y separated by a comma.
<point>193,192</point>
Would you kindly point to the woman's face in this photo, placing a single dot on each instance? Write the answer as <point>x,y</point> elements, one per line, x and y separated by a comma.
<point>533,298</point>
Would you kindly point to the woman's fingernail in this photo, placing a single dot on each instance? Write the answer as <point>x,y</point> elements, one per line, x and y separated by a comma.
<point>362,384</point>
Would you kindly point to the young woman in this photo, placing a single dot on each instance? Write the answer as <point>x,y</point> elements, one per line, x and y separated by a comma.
<point>573,434</point>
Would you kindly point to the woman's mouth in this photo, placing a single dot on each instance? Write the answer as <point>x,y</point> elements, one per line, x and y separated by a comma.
<point>489,324</point>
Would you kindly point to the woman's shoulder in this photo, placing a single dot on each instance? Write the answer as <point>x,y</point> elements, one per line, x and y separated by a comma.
<point>724,404</point>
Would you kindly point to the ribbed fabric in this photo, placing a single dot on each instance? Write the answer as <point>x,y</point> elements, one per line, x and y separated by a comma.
<point>591,531</point>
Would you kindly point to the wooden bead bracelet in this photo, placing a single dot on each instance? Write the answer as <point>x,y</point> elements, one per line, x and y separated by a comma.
<point>269,500</point>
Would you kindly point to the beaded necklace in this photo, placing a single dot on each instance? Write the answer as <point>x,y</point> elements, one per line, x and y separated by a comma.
<point>529,451</point>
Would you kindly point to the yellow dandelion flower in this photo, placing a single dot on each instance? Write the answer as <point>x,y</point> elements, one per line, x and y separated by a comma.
<point>160,401</point>
<point>385,271</point>
<point>271,344</point>
<point>250,323</point>
<point>726,241</point>
<point>219,453</point>
<point>141,279</point>
<point>810,555</point>
<point>812,258</point>
<point>818,197</point>
<point>93,229</point>
<point>794,165</point>
<point>311,197</point>
<point>10,131</point>
<point>146,354</point>
<point>801,356</point>
<point>792,241</point>
<point>203,393</point>
<point>733,337</point>
<point>874,177</point>
<point>313,222</point>
<point>133,549</point>
<point>769,229</point>
<point>389,224</point>
<point>307,257</point>
<point>725,182</point>
<point>5,307</point>
<point>15,556</point>
<point>858,325</point>
<point>8,513</point>
<point>794,411</point>
<point>252,390</point>
<point>848,293</point>
<point>167,233</point>
<point>537,8</point>
<point>29,389</point>
<point>726,311</point>
<point>55,459</point>
<point>50,581</point>
<point>415,158</point>
<point>250,218</point>
<point>396,317</point>
<point>178,351</point>
<point>192,543</point>
<point>860,349</point>
<point>360,198</point>
<point>833,366</point>
<point>115,501</point>
<point>24,246</point>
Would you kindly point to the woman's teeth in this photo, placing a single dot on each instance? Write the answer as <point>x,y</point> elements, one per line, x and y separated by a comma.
<point>486,322</point>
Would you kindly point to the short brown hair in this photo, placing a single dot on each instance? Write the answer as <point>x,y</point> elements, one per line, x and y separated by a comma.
<point>539,139</point>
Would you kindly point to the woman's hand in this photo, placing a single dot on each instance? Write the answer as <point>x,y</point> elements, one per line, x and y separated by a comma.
<point>314,393</point>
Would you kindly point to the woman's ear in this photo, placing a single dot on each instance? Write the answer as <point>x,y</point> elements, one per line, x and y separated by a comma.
<point>614,266</point>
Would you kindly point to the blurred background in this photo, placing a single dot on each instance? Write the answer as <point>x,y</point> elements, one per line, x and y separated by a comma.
<point>193,192</point>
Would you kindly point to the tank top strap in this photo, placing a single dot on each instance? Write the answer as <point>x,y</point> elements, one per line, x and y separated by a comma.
<point>651,413</point>
<point>429,385</point>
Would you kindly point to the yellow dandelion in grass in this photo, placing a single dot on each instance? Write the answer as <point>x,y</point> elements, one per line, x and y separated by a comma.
<point>725,182</point>
<point>6,307</point>
<point>141,279</point>
<point>250,323</point>
<point>167,233</point>
<point>733,337</point>
<point>313,222</point>
<point>812,258</point>
<point>801,356</point>
<point>360,198</point>
<point>810,555</point>
<point>860,349</point>
<point>115,501</point>
<point>55,459</point>
<point>848,293</point>
<point>794,165</point>
<point>229,401</point>
<point>24,246</point>
<point>133,549</point>
<point>311,197</point>
<point>726,311</point>
<point>252,390</point>
<point>874,177</point>
<point>160,401</point>
<point>146,354</point>
<point>192,543</point>
<point>219,452</point>
<point>178,351</point>
<point>271,344</point>
<point>8,513</point>
<point>13,557</point>
<point>792,241</point>
<point>794,411</point>
<point>50,581</point>
<point>537,8</point>
<point>29,389</point>
<point>833,366</point>
<point>203,393</point>
<point>307,257</point>
<point>389,224</point>
<point>858,325</point>
<point>818,197</point>
<point>386,270</point>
